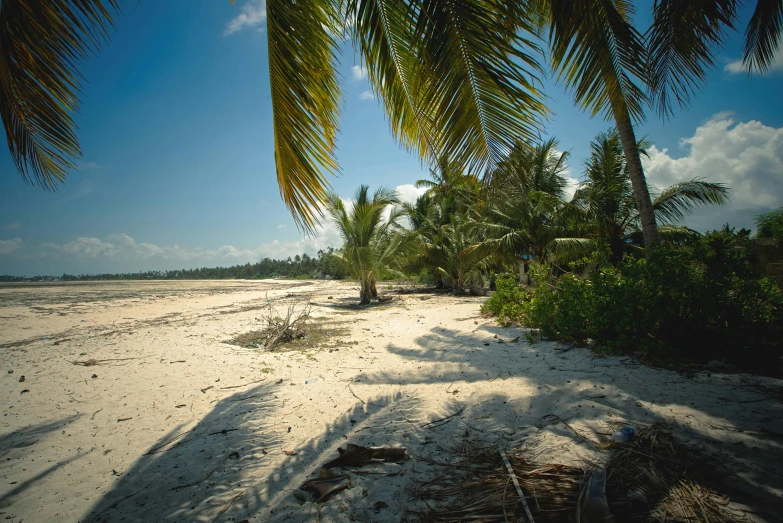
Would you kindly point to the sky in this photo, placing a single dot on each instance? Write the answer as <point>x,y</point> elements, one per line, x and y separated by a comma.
<point>178,163</point>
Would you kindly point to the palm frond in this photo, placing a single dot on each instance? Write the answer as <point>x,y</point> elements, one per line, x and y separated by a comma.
<point>763,36</point>
<point>303,42</point>
<point>598,54</point>
<point>383,31</point>
<point>681,199</point>
<point>681,42</point>
<point>487,71</point>
<point>565,249</point>
<point>43,45</point>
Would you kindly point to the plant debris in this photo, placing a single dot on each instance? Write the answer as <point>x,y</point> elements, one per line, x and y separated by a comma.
<point>655,478</point>
<point>476,486</point>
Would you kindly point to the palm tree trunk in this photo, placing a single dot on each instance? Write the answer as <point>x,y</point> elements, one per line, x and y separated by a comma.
<point>638,181</point>
<point>366,292</point>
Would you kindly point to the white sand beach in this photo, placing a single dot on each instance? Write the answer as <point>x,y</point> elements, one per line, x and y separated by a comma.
<point>174,424</point>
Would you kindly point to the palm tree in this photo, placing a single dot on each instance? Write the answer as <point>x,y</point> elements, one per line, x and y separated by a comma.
<point>371,243</point>
<point>604,208</point>
<point>522,216</point>
<point>615,70</point>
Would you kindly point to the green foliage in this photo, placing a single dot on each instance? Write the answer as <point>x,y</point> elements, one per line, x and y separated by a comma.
<point>770,225</point>
<point>700,302</point>
<point>508,301</point>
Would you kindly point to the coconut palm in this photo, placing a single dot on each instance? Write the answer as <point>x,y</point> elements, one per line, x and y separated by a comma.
<point>371,242</point>
<point>523,214</point>
<point>614,70</point>
<point>604,209</point>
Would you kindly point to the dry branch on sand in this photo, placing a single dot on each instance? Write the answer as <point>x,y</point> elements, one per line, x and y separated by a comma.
<point>280,328</point>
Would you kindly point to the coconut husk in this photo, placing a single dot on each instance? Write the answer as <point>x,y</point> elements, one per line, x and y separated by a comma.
<point>656,478</point>
<point>476,486</point>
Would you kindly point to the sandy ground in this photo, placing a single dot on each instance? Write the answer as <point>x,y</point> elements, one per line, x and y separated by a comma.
<point>177,425</point>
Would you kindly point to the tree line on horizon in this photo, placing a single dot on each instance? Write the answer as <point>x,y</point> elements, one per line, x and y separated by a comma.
<point>299,267</point>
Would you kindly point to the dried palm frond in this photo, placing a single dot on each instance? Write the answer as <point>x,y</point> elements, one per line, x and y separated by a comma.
<point>655,478</point>
<point>476,486</point>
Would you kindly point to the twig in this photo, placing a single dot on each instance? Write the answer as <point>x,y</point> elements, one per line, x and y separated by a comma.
<point>228,505</point>
<point>178,487</point>
<point>244,385</point>
<point>92,362</point>
<point>178,361</point>
<point>446,418</point>
<point>516,484</point>
<point>96,412</point>
<point>123,419</point>
<point>169,442</point>
<point>354,394</point>
<point>205,389</point>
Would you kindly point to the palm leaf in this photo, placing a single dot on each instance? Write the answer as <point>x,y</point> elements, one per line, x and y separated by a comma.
<point>598,54</point>
<point>680,41</point>
<point>682,199</point>
<point>383,31</point>
<point>763,35</point>
<point>303,42</point>
<point>487,88</point>
<point>43,45</point>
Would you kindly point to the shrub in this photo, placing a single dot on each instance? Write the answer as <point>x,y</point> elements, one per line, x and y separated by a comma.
<point>508,301</point>
<point>696,303</point>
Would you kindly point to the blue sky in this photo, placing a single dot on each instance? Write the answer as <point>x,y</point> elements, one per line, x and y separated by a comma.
<point>178,167</point>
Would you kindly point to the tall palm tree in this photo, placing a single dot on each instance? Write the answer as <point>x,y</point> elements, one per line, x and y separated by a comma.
<point>615,70</point>
<point>605,209</point>
<point>371,243</point>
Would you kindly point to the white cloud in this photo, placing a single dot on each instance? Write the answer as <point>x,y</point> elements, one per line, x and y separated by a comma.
<point>408,193</point>
<point>366,95</point>
<point>8,246</point>
<point>747,156</point>
<point>736,67</point>
<point>252,15</point>
<point>358,72</point>
<point>281,226</point>
<point>120,252</point>
<point>13,226</point>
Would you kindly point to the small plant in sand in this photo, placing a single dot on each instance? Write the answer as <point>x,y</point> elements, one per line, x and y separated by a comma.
<point>290,325</point>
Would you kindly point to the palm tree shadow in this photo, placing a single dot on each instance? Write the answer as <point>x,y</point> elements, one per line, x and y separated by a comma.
<point>189,475</point>
<point>231,466</point>
<point>556,382</point>
<point>27,437</point>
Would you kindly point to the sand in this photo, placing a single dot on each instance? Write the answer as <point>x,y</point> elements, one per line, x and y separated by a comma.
<point>174,424</point>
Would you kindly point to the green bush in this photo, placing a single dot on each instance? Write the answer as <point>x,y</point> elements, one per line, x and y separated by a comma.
<point>508,301</point>
<point>696,303</point>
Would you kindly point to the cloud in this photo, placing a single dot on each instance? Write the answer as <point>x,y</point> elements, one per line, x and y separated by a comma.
<point>9,246</point>
<point>736,66</point>
<point>281,226</point>
<point>13,226</point>
<point>408,193</point>
<point>252,14</point>
<point>367,95</point>
<point>120,252</point>
<point>358,72</point>
<point>746,156</point>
